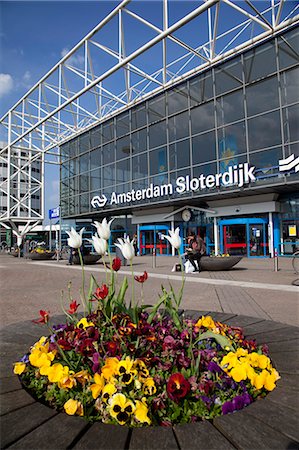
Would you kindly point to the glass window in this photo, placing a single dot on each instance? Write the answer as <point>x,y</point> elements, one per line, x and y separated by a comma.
<point>158,160</point>
<point>138,117</point>
<point>64,151</point>
<point>108,153</point>
<point>64,188</point>
<point>73,167</point>
<point>73,146</point>
<point>260,62</point>
<point>201,89</point>
<point>231,161</point>
<point>202,118</point>
<point>290,122</point>
<point>74,185</point>
<point>231,140</point>
<point>84,163</point>
<point>123,147</point>
<point>108,131</point>
<point>84,202</point>
<point>178,126</point>
<point>228,76</point>
<point>84,143</point>
<point>139,141</point>
<point>95,180</point>
<point>230,108</point>
<point>290,86</point>
<point>156,108</point>
<point>84,183</point>
<point>177,99</point>
<point>205,169</point>
<point>266,163</point>
<point>157,134</point>
<point>95,137</point>
<point>204,147</point>
<point>264,131</point>
<point>139,166</point>
<point>123,170</point>
<point>122,124</point>
<point>95,158</point>
<point>64,170</point>
<point>288,49</point>
<point>108,174</point>
<point>179,154</point>
<point>140,184</point>
<point>262,96</point>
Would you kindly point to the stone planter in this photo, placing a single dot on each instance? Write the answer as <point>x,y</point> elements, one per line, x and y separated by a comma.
<point>92,258</point>
<point>211,263</point>
<point>40,256</point>
<point>271,423</point>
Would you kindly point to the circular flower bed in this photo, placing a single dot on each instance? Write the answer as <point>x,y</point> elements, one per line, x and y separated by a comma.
<point>138,365</point>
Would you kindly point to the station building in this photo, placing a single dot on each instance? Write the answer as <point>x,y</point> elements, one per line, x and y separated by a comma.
<point>217,154</point>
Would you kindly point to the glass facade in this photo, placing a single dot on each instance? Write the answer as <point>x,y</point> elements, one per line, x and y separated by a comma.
<point>243,110</point>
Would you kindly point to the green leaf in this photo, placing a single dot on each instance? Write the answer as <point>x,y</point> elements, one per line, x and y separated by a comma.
<point>122,291</point>
<point>221,340</point>
<point>155,309</point>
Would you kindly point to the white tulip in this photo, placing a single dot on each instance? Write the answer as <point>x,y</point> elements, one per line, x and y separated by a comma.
<point>75,239</point>
<point>127,248</point>
<point>174,238</point>
<point>103,228</point>
<point>100,245</point>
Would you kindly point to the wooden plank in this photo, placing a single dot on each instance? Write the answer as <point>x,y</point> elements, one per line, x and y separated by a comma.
<point>284,346</point>
<point>153,438</point>
<point>194,436</point>
<point>285,397</point>
<point>22,421</point>
<point>286,362</point>
<point>106,437</point>
<point>10,384</point>
<point>281,418</point>
<point>283,334</point>
<point>262,327</point>
<point>14,400</point>
<point>248,433</point>
<point>221,316</point>
<point>242,321</point>
<point>57,433</point>
<point>191,314</point>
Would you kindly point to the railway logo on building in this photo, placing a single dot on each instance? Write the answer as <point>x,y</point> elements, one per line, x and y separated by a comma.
<point>238,175</point>
<point>287,164</point>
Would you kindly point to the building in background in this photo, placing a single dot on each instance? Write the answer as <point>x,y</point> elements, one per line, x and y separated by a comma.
<point>217,153</point>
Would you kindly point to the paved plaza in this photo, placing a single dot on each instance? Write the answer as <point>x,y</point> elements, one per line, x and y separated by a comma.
<point>251,288</point>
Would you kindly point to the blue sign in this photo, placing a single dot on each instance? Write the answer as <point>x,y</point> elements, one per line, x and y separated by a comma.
<point>54,213</point>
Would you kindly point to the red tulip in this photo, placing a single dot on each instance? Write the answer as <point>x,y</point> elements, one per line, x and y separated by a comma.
<point>177,387</point>
<point>102,292</point>
<point>44,317</point>
<point>116,264</point>
<point>141,278</point>
<point>73,307</point>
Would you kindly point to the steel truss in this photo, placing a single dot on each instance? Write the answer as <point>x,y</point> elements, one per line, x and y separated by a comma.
<point>97,78</point>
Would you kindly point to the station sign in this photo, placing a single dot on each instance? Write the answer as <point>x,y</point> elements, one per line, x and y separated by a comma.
<point>54,213</point>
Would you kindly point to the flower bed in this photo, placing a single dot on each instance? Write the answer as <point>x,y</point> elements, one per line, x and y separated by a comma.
<point>136,365</point>
<point>212,263</point>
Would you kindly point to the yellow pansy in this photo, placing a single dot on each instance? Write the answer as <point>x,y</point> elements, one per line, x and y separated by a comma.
<point>72,407</point>
<point>68,381</point>
<point>110,368</point>
<point>98,385</point>
<point>149,386</point>
<point>140,366</point>
<point>126,370</point>
<point>42,344</point>
<point>19,368</point>
<point>83,376</point>
<point>271,379</point>
<point>83,323</point>
<point>39,359</point>
<point>260,379</point>
<point>57,372</point>
<point>205,321</point>
<point>141,412</point>
<point>121,408</point>
<point>239,373</point>
<point>107,392</point>
<point>229,360</point>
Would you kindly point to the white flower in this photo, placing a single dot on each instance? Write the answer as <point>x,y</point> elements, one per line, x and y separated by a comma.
<point>103,228</point>
<point>100,245</point>
<point>75,239</point>
<point>127,248</point>
<point>174,238</point>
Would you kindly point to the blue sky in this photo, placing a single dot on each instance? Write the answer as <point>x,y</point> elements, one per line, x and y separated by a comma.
<point>35,35</point>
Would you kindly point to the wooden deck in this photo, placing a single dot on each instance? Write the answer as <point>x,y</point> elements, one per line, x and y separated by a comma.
<point>272,423</point>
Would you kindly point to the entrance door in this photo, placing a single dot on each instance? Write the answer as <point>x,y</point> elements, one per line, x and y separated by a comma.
<point>244,237</point>
<point>234,239</point>
<point>151,238</point>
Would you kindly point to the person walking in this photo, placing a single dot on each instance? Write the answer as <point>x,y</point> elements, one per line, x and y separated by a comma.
<point>195,251</point>
<point>71,256</point>
<point>135,244</point>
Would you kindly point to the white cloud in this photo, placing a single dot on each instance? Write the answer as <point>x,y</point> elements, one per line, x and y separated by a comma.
<point>27,76</point>
<point>74,60</point>
<point>6,84</point>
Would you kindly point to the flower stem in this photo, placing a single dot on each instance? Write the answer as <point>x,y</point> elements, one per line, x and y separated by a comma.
<point>183,279</point>
<point>83,280</point>
<point>133,286</point>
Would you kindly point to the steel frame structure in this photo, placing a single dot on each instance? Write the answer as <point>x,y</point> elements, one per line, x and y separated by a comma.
<point>78,92</point>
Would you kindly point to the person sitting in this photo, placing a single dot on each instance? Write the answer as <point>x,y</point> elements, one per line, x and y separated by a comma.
<point>196,249</point>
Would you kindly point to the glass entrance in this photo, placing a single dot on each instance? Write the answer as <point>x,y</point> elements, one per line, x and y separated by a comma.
<point>150,237</point>
<point>244,237</point>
